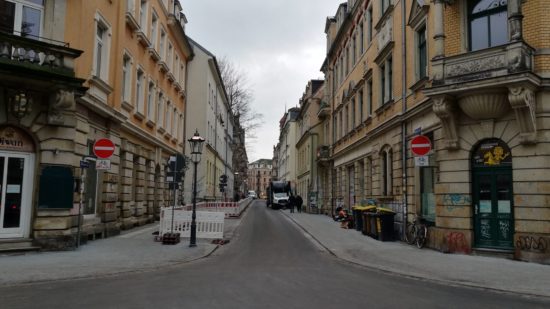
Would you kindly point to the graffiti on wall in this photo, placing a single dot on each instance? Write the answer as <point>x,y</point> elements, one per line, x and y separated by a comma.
<point>530,243</point>
<point>455,200</point>
<point>456,243</point>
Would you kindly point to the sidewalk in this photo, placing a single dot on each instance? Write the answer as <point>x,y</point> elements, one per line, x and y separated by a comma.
<point>400,258</point>
<point>133,250</point>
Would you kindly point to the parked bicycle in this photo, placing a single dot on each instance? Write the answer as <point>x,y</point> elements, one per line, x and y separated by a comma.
<point>416,232</point>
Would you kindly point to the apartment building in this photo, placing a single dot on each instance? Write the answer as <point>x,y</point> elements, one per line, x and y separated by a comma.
<point>286,163</point>
<point>209,113</point>
<point>309,135</point>
<point>123,78</point>
<point>259,176</point>
<point>469,75</point>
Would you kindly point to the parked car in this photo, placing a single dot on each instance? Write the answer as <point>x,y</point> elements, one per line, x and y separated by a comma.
<point>252,194</point>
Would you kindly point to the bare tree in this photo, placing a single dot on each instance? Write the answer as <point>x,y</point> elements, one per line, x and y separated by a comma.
<point>240,97</point>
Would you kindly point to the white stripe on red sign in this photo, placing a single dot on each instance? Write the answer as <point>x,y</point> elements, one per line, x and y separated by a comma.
<point>420,145</point>
<point>104,148</point>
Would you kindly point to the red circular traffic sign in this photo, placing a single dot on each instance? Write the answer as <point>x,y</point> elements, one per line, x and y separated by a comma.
<point>104,148</point>
<point>421,145</point>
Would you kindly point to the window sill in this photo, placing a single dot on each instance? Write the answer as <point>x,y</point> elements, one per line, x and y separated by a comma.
<point>101,84</point>
<point>161,130</point>
<point>419,84</point>
<point>139,116</point>
<point>384,107</point>
<point>150,124</point>
<point>127,106</point>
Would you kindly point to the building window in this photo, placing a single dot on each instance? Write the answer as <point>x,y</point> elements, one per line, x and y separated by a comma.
<point>143,15</point>
<point>354,50</point>
<point>488,22</point>
<point>126,77</point>
<point>160,110</point>
<point>335,129</point>
<point>369,98</point>
<point>153,34</point>
<point>369,25</point>
<point>22,18</point>
<point>361,107</point>
<point>422,52</point>
<point>101,49</point>
<point>161,44</point>
<point>386,81</point>
<point>167,118</point>
<point>139,91</point>
<point>150,100</point>
<point>386,172</point>
<point>175,122</point>
<point>169,56</point>
<point>361,39</point>
<point>353,112</point>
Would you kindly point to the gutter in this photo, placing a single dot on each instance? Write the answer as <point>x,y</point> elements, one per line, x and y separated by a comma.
<point>404,111</point>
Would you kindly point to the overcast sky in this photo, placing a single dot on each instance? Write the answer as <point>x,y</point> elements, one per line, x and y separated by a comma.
<point>279,44</point>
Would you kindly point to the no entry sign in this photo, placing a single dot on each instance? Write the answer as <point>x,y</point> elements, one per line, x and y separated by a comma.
<point>104,148</point>
<point>421,145</point>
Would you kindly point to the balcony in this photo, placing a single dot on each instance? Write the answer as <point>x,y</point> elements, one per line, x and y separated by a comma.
<point>484,85</point>
<point>483,65</point>
<point>324,110</point>
<point>43,68</point>
<point>323,153</point>
<point>37,57</point>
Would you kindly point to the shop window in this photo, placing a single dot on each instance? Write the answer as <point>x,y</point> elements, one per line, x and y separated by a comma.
<point>57,186</point>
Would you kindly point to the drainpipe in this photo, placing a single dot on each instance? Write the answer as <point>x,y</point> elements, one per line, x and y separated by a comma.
<point>404,110</point>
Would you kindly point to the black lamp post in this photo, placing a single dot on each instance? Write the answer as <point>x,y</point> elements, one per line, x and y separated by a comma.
<point>195,144</point>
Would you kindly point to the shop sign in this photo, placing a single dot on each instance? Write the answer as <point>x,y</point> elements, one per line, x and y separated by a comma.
<point>492,153</point>
<point>14,139</point>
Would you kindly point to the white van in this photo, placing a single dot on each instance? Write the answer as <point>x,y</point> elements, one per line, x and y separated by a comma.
<point>252,194</point>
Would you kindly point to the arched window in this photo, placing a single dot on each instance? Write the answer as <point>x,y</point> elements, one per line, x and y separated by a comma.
<point>488,22</point>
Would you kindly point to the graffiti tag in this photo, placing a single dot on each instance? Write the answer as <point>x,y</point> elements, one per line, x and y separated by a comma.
<point>530,243</point>
<point>454,199</point>
<point>456,242</point>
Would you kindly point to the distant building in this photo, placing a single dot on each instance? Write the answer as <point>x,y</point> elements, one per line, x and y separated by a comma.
<point>208,112</point>
<point>259,176</point>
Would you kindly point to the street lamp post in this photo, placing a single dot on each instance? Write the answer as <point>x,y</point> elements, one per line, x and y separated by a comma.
<point>195,143</point>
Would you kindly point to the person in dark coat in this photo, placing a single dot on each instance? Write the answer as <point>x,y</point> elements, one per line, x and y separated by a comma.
<point>299,202</point>
<point>291,202</point>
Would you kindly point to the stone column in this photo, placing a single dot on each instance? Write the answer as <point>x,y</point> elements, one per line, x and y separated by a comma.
<point>439,42</point>
<point>515,21</point>
<point>439,29</point>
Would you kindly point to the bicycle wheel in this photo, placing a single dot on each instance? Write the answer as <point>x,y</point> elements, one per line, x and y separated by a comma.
<point>410,233</point>
<point>421,234</point>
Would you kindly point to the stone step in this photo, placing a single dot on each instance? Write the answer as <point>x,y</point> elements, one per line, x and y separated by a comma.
<point>17,245</point>
<point>498,253</point>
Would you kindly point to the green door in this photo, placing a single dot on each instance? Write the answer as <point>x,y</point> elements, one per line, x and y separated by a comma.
<point>493,198</point>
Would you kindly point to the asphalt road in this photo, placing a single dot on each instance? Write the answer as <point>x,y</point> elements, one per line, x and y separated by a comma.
<point>269,263</point>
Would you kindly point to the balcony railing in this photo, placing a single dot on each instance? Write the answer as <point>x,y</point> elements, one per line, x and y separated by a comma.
<point>484,64</point>
<point>37,55</point>
<point>323,152</point>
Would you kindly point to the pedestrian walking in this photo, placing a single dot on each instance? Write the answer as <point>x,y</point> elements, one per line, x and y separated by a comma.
<point>291,202</point>
<point>299,202</point>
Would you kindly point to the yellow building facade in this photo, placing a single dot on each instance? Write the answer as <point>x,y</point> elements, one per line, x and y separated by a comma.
<point>469,76</point>
<point>94,70</point>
